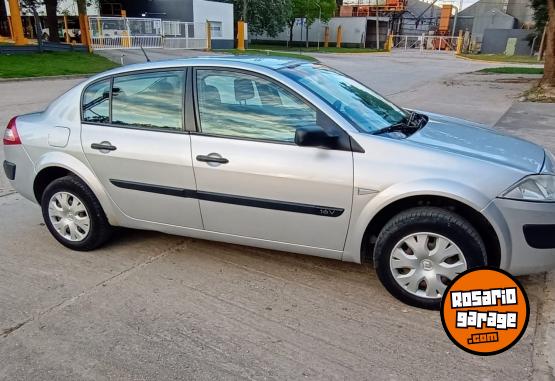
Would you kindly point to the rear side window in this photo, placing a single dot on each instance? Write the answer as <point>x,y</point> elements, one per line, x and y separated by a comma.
<point>96,102</point>
<point>149,100</point>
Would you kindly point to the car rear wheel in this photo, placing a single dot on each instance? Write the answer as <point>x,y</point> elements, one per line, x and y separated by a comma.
<point>73,214</point>
<point>420,251</point>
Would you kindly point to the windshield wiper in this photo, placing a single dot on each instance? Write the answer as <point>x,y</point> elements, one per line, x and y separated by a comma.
<point>397,127</point>
<point>411,117</point>
<point>409,125</point>
<point>417,120</point>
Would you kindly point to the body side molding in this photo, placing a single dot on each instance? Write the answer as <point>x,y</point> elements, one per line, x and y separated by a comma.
<point>286,206</point>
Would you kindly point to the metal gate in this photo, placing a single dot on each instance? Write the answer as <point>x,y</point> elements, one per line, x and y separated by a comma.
<point>134,33</point>
<point>185,35</point>
<point>425,43</point>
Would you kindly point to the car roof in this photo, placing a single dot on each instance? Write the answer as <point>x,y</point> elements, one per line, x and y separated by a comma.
<point>238,61</point>
<point>271,62</point>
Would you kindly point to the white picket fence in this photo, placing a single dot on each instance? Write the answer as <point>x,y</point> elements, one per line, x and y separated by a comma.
<point>126,42</point>
<point>134,33</point>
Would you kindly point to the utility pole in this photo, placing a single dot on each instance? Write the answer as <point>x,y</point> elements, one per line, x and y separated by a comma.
<point>455,23</point>
<point>319,22</point>
<point>377,27</point>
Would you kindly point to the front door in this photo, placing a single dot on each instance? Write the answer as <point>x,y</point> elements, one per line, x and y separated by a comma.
<point>138,147</point>
<point>252,179</point>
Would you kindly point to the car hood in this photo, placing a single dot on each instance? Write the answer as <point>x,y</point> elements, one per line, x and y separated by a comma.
<point>478,141</point>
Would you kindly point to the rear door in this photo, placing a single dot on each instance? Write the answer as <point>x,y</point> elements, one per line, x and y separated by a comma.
<point>252,179</point>
<point>135,141</point>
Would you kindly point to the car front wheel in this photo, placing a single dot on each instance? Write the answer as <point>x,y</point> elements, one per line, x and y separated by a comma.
<point>73,214</point>
<point>420,251</point>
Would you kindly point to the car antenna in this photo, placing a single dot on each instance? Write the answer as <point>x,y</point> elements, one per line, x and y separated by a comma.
<point>147,59</point>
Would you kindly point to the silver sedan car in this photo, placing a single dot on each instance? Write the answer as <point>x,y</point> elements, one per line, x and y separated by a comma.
<point>286,155</point>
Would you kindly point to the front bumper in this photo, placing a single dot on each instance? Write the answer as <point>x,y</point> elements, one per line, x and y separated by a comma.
<point>526,232</point>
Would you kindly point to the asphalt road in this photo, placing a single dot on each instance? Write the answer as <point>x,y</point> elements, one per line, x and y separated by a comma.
<point>153,306</point>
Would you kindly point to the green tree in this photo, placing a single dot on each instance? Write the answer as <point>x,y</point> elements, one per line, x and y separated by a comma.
<point>52,20</point>
<point>51,16</point>
<point>544,15</point>
<point>32,6</point>
<point>540,13</point>
<point>263,16</point>
<point>548,80</point>
<point>309,10</point>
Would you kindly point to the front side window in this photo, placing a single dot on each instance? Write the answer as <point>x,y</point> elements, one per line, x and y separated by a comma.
<point>364,108</point>
<point>96,102</point>
<point>240,105</point>
<point>149,100</point>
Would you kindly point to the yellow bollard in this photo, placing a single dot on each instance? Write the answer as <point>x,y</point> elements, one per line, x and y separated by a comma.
<point>460,42</point>
<point>208,36</point>
<point>240,35</point>
<point>99,28</point>
<point>388,43</point>
<point>326,36</point>
<point>84,27</point>
<point>66,30</point>
<point>126,39</point>
<point>339,37</point>
<point>16,24</point>
<point>87,33</point>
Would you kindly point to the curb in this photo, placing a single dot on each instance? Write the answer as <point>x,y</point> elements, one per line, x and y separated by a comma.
<point>497,62</point>
<point>70,76</point>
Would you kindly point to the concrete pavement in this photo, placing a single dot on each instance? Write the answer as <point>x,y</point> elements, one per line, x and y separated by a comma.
<point>153,306</point>
<point>536,122</point>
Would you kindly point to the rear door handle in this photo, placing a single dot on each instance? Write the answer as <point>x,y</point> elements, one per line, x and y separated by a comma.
<point>212,158</point>
<point>104,146</point>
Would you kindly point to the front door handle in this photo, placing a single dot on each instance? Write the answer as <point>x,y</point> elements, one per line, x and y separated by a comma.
<point>104,147</point>
<point>212,158</point>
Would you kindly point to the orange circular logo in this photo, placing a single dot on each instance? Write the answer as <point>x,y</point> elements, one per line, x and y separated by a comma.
<point>485,311</point>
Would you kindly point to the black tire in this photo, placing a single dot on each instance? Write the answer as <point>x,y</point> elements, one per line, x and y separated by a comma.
<point>431,220</point>
<point>99,229</point>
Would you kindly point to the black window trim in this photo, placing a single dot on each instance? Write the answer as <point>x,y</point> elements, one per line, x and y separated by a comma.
<point>184,130</point>
<point>81,101</point>
<point>353,145</point>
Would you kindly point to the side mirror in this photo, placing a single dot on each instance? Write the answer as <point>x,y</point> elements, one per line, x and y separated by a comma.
<point>314,136</point>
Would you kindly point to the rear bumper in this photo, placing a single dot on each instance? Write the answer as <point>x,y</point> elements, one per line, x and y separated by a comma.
<point>527,234</point>
<point>9,170</point>
<point>20,170</point>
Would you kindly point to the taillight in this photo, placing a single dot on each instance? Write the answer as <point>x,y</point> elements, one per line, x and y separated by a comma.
<point>11,136</point>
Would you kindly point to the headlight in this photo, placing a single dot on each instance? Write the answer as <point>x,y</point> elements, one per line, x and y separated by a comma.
<point>539,188</point>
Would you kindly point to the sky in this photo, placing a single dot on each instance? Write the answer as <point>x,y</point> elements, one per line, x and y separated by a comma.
<point>465,3</point>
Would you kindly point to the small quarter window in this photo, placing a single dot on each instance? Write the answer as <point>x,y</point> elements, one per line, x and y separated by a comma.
<point>96,102</point>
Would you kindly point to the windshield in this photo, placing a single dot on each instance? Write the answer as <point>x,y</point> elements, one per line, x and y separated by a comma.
<point>368,111</point>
